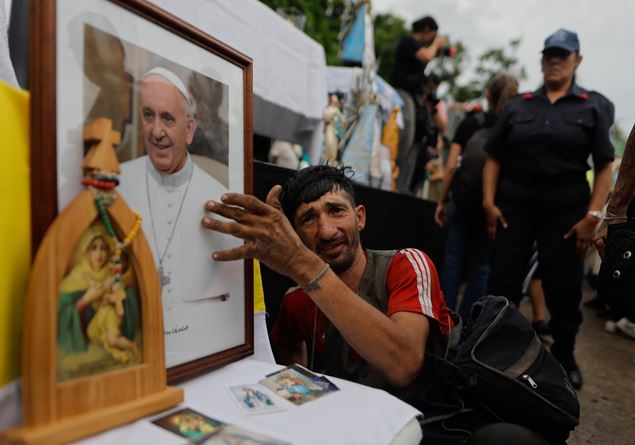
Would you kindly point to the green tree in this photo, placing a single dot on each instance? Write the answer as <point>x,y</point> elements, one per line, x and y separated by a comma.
<point>322,22</point>
<point>388,30</point>
<point>449,69</point>
<point>323,25</point>
<point>497,60</point>
<point>619,139</point>
<point>462,88</point>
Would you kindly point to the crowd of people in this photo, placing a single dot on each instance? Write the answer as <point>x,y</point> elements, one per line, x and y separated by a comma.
<point>515,201</point>
<point>514,195</point>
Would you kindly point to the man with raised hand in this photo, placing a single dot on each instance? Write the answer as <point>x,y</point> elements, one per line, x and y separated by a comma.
<point>368,313</point>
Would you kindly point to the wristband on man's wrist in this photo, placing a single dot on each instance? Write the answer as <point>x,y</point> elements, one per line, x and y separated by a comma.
<point>315,282</point>
<point>595,214</point>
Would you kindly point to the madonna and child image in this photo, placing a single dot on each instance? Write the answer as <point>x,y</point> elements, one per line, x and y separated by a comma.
<point>99,313</point>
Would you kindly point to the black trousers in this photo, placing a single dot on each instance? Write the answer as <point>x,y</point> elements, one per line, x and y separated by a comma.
<point>545,216</point>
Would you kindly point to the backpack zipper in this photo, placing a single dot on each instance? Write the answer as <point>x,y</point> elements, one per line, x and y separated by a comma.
<point>528,379</point>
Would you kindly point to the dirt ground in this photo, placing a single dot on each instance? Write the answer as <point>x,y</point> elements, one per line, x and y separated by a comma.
<point>607,398</point>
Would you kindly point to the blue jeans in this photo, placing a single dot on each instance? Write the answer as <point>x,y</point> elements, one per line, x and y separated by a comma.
<point>467,249</point>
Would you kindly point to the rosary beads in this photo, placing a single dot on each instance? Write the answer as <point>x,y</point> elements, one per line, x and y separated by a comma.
<point>103,197</point>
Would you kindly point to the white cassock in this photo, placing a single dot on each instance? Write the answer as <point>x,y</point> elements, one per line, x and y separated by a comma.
<point>201,297</point>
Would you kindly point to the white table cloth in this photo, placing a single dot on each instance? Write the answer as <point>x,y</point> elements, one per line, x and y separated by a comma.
<point>354,415</point>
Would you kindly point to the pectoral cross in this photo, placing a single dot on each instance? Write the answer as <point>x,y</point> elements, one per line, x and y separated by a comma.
<point>163,278</point>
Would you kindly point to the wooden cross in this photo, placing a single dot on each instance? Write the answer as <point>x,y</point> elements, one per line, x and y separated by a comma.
<point>102,140</point>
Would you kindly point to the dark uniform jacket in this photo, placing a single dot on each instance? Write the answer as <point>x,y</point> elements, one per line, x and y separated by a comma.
<point>540,144</point>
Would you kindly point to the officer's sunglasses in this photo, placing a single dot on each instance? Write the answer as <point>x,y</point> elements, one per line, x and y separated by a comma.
<point>555,52</point>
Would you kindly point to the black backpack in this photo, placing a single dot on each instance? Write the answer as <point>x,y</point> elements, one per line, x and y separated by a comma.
<point>467,183</point>
<point>501,372</point>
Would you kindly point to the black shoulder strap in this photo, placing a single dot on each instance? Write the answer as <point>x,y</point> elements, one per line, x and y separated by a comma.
<point>480,118</point>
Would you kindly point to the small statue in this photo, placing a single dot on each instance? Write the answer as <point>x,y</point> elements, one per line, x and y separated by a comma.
<point>333,130</point>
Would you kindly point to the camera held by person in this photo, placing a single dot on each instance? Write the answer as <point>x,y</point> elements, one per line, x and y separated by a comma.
<point>447,51</point>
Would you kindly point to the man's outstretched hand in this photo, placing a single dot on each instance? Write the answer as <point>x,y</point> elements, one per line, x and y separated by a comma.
<point>268,234</point>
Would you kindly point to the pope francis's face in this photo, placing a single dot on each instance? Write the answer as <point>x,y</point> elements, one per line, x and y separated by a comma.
<point>168,127</point>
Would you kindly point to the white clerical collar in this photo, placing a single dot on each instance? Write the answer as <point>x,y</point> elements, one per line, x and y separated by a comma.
<point>172,180</point>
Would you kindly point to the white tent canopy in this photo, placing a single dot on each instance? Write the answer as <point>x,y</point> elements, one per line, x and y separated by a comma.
<point>289,67</point>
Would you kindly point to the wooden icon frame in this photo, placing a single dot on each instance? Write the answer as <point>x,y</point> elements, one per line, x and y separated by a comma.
<point>61,411</point>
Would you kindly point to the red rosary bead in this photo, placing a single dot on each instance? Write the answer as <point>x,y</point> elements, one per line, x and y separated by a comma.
<point>107,185</point>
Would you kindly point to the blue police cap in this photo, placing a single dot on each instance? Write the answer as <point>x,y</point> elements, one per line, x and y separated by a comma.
<point>564,39</point>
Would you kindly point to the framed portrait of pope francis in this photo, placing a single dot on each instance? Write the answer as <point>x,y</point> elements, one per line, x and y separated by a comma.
<point>181,102</point>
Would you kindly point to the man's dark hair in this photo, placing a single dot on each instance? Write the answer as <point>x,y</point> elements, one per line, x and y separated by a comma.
<point>426,23</point>
<point>310,183</point>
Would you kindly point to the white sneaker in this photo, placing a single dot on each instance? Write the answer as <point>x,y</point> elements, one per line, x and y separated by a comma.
<point>626,327</point>
<point>610,326</point>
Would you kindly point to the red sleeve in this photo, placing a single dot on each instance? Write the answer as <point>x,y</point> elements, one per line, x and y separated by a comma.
<point>413,286</point>
<point>295,320</point>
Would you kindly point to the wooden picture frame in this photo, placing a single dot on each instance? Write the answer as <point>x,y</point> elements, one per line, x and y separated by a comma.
<point>59,111</point>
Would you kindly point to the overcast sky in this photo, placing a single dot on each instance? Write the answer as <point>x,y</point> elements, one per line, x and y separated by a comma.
<point>606,29</point>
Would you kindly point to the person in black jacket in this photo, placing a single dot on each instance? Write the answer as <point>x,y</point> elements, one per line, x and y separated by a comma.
<point>413,53</point>
<point>535,188</point>
<point>467,246</point>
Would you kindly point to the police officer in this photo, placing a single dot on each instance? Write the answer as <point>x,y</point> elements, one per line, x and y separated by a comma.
<point>535,187</point>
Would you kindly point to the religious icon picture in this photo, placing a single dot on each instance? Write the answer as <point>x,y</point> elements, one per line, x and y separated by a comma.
<point>199,429</point>
<point>298,385</point>
<point>189,424</point>
<point>254,399</point>
<point>99,314</point>
<point>181,102</point>
<point>232,434</point>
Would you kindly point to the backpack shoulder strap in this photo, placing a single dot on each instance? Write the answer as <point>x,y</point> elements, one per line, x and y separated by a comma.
<point>480,118</point>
